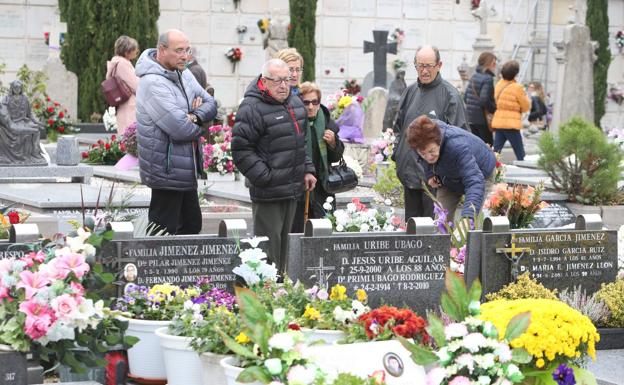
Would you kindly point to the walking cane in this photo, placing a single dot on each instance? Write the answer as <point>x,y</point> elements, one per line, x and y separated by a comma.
<point>306,209</point>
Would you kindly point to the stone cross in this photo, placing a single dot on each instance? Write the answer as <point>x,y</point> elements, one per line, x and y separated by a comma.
<point>320,272</point>
<point>380,47</point>
<point>513,257</point>
<point>481,13</point>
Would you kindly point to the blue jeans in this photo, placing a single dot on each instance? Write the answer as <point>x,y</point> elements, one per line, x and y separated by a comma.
<point>515,139</point>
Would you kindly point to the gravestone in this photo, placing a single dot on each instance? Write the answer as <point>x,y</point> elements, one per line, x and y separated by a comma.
<point>556,214</point>
<point>393,268</point>
<point>369,83</point>
<point>380,48</point>
<point>377,100</point>
<point>560,259</point>
<point>179,260</point>
<point>13,369</point>
<point>397,87</point>
<point>21,239</point>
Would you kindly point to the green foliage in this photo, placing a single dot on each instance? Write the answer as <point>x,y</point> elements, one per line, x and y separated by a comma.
<point>33,83</point>
<point>301,33</point>
<point>597,20</point>
<point>92,28</point>
<point>612,294</point>
<point>389,186</point>
<point>525,287</point>
<point>3,88</point>
<point>581,162</point>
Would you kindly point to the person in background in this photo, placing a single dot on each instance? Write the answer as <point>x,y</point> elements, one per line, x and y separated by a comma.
<point>171,106</point>
<point>456,162</point>
<point>433,96</point>
<point>324,148</point>
<point>126,50</point>
<point>511,102</point>
<point>294,60</point>
<point>479,97</point>
<point>537,116</point>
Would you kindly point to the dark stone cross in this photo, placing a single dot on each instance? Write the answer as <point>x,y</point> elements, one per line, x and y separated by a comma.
<point>514,258</point>
<point>380,48</point>
<point>320,270</point>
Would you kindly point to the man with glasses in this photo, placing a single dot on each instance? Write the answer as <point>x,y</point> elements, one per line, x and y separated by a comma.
<point>171,106</point>
<point>429,95</point>
<point>269,148</point>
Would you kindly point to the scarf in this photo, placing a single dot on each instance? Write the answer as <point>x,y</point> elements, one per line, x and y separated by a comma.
<point>315,133</point>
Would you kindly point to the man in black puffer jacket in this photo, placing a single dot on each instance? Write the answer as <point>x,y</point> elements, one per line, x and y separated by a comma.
<point>479,97</point>
<point>268,147</point>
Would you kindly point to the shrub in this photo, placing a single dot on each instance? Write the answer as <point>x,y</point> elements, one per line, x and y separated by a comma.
<point>524,288</point>
<point>589,305</point>
<point>613,295</point>
<point>581,162</point>
<point>389,186</point>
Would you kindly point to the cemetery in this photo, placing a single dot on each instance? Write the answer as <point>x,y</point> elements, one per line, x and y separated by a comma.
<point>529,289</point>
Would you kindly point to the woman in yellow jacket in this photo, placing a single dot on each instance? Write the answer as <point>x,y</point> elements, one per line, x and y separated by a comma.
<point>511,102</point>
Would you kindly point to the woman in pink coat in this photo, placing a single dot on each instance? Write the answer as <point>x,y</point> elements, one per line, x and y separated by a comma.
<point>126,49</point>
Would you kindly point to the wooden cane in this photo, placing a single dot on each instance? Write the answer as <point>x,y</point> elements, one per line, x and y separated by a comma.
<point>307,208</point>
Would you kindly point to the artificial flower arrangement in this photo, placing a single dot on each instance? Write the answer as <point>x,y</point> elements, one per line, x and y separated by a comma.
<point>397,36</point>
<point>382,147</point>
<point>333,310</point>
<point>128,143</point>
<point>254,268</point>
<point>9,218</point>
<point>518,203</point>
<point>619,40</point>
<point>388,322</point>
<point>48,303</point>
<point>359,218</point>
<point>263,25</point>
<point>110,119</point>
<point>107,152</point>
<point>54,117</point>
<point>340,101</point>
<point>217,150</point>
<point>500,168</point>
<point>234,55</point>
<point>470,350</point>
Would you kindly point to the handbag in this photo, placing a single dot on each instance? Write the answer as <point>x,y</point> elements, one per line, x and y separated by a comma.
<point>115,90</point>
<point>340,178</point>
<point>487,115</point>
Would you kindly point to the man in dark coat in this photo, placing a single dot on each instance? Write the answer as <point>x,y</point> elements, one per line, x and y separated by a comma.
<point>269,148</point>
<point>432,96</point>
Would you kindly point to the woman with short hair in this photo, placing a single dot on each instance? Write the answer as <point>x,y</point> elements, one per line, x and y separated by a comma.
<point>126,50</point>
<point>294,60</point>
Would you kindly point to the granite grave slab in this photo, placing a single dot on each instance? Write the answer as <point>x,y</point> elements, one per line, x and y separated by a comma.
<point>13,369</point>
<point>556,214</point>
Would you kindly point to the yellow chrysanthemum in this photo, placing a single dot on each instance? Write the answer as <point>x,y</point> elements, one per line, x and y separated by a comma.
<point>338,293</point>
<point>242,338</point>
<point>556,330</point>
<point>311,313</point>
<point>361,296</point>
<point>345,101</point>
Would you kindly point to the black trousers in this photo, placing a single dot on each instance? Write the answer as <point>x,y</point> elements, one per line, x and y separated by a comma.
<point>483,132</point>
<point>177,212</point>
<point>274,220</point>
<point>315,210</point>
<point>417,203</point>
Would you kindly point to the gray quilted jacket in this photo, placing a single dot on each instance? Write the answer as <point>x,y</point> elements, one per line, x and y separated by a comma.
<point>169,157</point>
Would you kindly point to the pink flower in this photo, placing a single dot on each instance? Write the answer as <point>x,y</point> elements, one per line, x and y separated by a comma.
<point>6,265</point>
<point>72,262</point>
<point>4,292</point>
<point>39,256</point>
<point>77,288</point>
<point>460,380</point>
<point>39,318</point>
<point>64,305</point>
<point>32,282</point>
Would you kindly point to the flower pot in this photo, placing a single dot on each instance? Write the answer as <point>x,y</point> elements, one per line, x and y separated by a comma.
<point>212,371</point>
<point>218,177</point>
<point>327,336</point>
<point>232,371</point>
<point>145,359</point>
<point>182,363</point>
<point>610,338</point>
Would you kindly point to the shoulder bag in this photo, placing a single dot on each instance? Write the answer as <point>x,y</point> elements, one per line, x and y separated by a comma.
<point>115,90</point>
<point>340,178</point>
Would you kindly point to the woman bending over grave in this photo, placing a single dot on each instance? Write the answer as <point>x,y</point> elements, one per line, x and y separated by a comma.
<point>120,66</point>
<point>455,161</point>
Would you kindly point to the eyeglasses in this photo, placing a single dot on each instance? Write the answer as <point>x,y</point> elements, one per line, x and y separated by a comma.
<point>314,102</point>
<point>279,81</point>
<point>181,51</point>
<point>422,66</point>
<point>295,69</point>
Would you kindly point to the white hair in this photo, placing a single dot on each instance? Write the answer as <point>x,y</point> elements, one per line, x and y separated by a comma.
<point>272,64</point>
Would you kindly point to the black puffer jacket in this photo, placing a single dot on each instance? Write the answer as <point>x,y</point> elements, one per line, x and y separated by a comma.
<point>268,144</point>
<point>483,83</point>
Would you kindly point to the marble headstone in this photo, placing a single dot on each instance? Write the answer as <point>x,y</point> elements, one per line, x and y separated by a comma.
<point>67,151</point>
<point>368,82</point>
<point>377,100</point>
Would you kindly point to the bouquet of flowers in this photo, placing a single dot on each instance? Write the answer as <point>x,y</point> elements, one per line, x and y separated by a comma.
<point>619,40</point>
<point>128,143</point>
<point>106,152</point>
<point>333,310</point>
<point>9,218</point>
<point>358,218</point>
<point>351,87</point>
<point>397,36</point>
<point>263,25</point>
<point>158,303</point>
<point>382,148</point>
<point>500,168</point>
<point>55,118</point>
<point>254,268</point>
<point>388,322</point>
<point>517,203</point>
<point>217,151</point>
<point>110,119</point>
<point>234,55</point>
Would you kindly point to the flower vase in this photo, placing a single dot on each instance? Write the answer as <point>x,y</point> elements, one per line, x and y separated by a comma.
<point>218,177</point>
<point>329,337</point>
<point>182,363</point>
<point>229,365</point>
<point>212,371</point>
<point>145,359</point>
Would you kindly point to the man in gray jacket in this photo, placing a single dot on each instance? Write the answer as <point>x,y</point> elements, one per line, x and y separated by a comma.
<point>171,107</point>
<point>433,96</point>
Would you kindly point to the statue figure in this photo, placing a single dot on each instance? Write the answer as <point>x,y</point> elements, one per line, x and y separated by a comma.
<point>394,96</point>
<point>481,13</point>
<point>19,130</point>
<point>277,37</point>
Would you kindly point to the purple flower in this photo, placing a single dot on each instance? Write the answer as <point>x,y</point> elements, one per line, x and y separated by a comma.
<point>461,256</point>
<point>441,217</point>
<point>564,375</point>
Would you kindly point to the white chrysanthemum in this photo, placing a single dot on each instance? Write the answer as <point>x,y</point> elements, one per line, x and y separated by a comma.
<point>351,207</point>
<point>247,273</point>
<point>329,199</point>
<point>327,206</point>
<point>474,341</point>
<point>282,341</point>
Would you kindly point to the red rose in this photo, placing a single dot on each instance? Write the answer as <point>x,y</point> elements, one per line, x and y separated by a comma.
<point>61,129</point>
<point>50,109</point>
<point>107,146</point>
<point>61,114</point>
<point>57,104</point>
<point>50,122</point>
<point>293,326</point>
<point>14,217</point>
<point>94,145</point>
<point>113,137</point>
<point>100,141</point>
<point>47,98</point>
<point>85,154</point>
<point>122,147</point>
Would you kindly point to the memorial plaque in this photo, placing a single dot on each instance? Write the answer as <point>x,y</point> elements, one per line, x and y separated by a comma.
<point>12,368</point>
<point>14,250</point>
<point>553,215</point>
<point>178,260</point>
<point>558,260</point>
<point>393,269</point>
